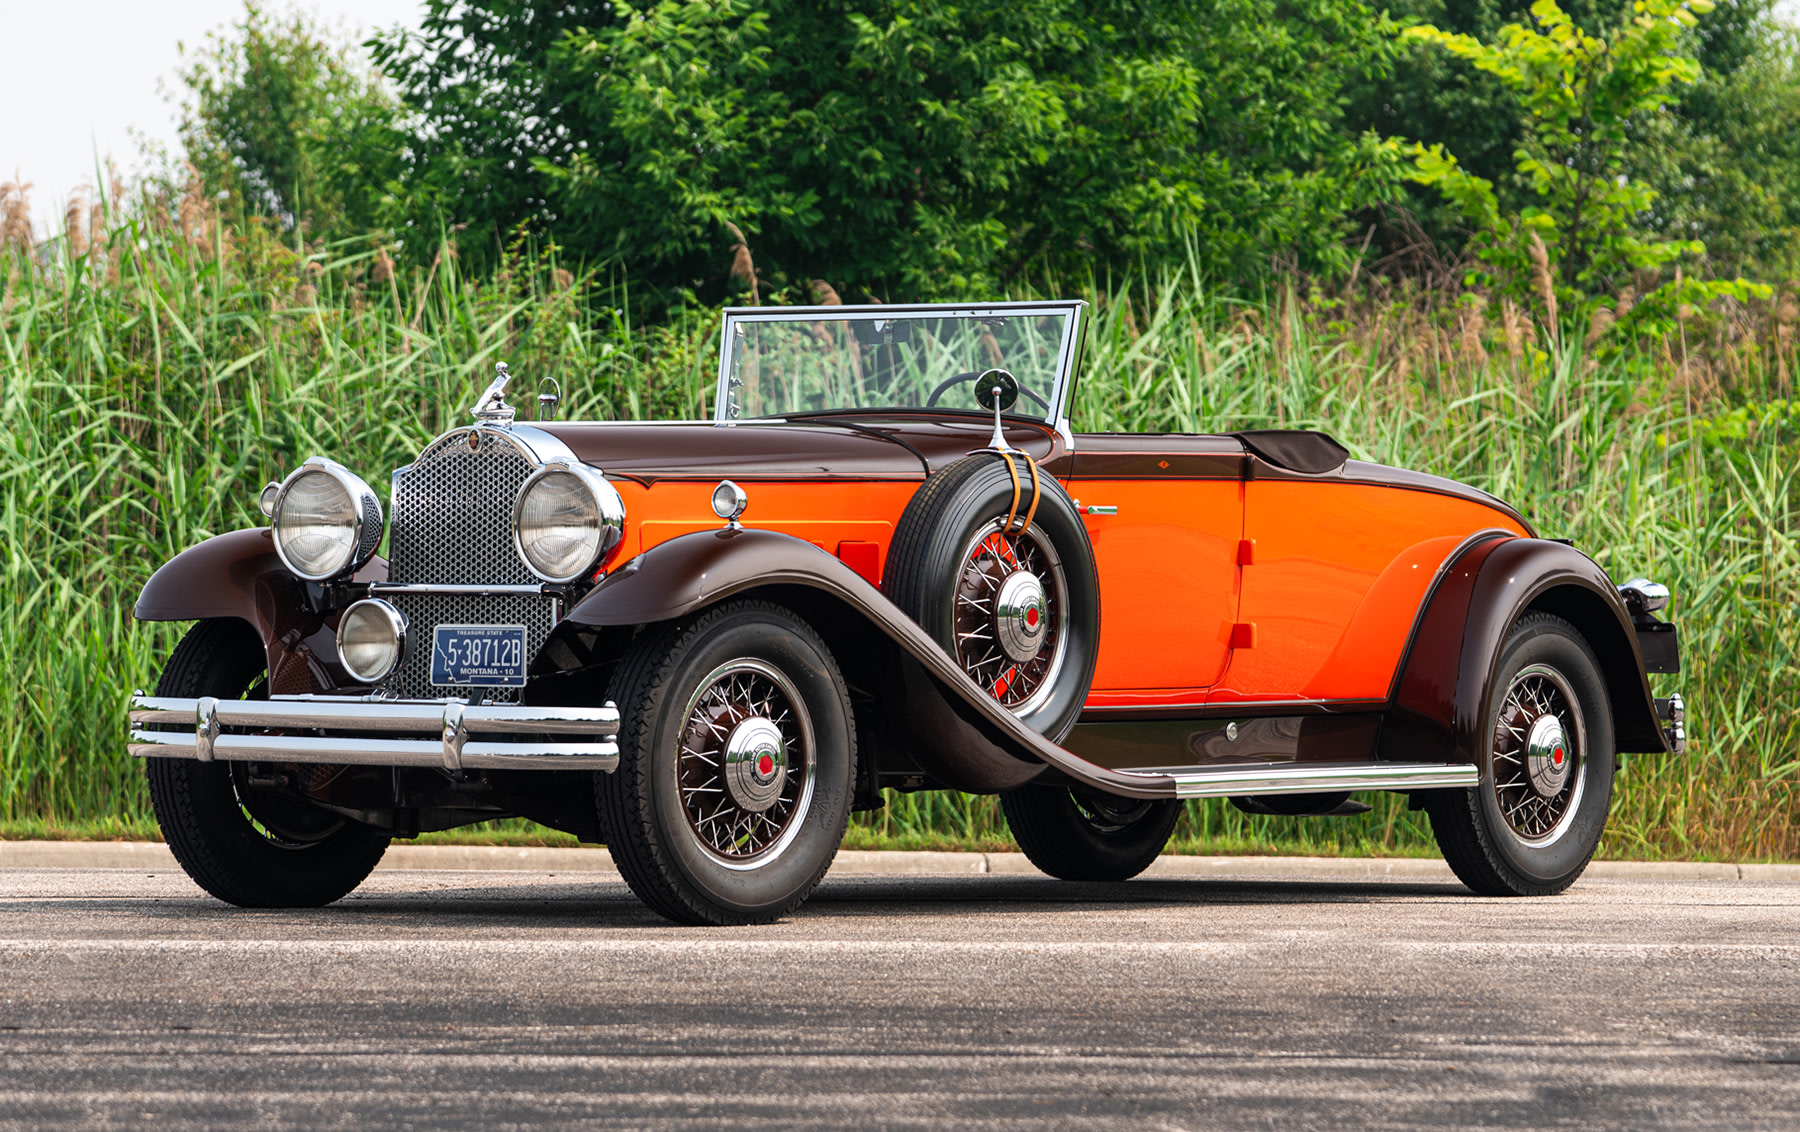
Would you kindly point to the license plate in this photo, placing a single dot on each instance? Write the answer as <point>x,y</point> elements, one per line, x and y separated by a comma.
<point>491,656</point>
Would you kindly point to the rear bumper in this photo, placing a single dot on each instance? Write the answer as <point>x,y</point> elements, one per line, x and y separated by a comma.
<point>450,734</point>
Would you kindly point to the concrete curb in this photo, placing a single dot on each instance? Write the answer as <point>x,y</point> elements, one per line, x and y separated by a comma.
<point>858,862</point>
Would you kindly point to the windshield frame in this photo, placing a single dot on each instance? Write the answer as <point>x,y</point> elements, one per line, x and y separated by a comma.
<point>1055,416</point>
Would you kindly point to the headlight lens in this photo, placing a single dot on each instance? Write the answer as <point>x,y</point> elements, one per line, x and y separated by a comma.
<point>327,522</point>
<point>567,519</point>
<point>371,639</point>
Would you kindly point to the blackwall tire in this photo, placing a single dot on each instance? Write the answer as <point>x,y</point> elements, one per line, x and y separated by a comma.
<point>949,529</point>
<point>245,848</point>
<point>1081,834</point>
<point>1532,824</point>
<point>701,842</point>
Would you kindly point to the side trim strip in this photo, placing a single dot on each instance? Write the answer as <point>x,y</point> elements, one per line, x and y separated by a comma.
<point>534,589</point>
<point>1305,778</point>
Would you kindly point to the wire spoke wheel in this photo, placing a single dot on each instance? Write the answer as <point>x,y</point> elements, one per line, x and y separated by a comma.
<point>744,770</point>
<point>1008,616</point>
<point>1539,757</point>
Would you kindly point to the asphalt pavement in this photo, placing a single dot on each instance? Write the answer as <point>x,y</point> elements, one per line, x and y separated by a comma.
<point>495,999</point>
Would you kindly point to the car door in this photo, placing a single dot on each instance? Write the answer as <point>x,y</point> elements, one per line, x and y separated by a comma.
<point>1165,516</point>
<point>1336,569</point>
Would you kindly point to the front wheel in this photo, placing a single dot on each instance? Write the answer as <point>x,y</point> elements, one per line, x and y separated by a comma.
<point>737,757</point>
<point>1075,833</point>
<point>245,843</point>
<point>1531,825</point>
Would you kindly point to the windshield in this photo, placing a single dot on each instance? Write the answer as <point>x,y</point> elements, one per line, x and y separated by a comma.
<point>777,364</point>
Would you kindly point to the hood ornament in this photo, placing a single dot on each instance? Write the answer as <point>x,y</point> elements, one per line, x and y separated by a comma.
<point>491,407</point>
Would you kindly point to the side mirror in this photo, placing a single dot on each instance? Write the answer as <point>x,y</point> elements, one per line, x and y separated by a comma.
<point>996,390</point>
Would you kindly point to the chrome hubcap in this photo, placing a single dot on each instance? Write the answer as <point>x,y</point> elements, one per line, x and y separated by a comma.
<point>1020,617</point>
<point>1547,759</point>
<point>744,766</point>
<point>755,763</point>
<point>1539,771</point>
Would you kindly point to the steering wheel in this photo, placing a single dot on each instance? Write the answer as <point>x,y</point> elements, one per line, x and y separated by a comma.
<point>954,380</point>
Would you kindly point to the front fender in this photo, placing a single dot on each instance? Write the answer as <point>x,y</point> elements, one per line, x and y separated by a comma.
<point>238,574</point>
<point>1440,704</point>
<point>955,730</point>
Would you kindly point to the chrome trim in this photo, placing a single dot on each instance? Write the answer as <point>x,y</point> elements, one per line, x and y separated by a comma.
<point>491,406</point>
<point>1308,778</point>
<point>456,736</point>
<point>736,500</point>
<point>607,502</point>
<point>527,589</point>
<point>206,727</point>
<point>1641,595</point>
<point>265,500</point>
<point>1100,509</point>
<point>517,732</point>
<point>1056,415</point>
<point>396,623</point>
<point>1672,711</point>
<point>369,521</point>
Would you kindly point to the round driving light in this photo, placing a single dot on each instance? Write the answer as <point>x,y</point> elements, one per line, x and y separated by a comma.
<point>566,520</point>
<point>729,501</point>
<point>371,639</point>
<point>326,521</point>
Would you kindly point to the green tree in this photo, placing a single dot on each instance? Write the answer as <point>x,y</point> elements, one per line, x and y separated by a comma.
<point>293,121</point>
<point>898,148</point>
<point>1582,94</point>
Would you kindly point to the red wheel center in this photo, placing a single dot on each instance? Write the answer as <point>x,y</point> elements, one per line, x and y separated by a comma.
<point>1031,618</point>
<point>765,764</point>
<point>1556,757</point>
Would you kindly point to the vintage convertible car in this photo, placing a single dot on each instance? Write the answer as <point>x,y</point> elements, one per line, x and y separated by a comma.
<point>887,562</point>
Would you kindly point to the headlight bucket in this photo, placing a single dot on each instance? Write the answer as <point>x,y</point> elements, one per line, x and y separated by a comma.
<point>567,520</point>
<point>371,639</point>
<point>326,521</point>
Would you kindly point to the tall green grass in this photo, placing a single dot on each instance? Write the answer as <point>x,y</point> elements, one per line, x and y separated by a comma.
<point>156,370</point>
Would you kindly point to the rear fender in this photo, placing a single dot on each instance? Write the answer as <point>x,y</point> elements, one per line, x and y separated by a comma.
<point>1440,705</point>
<point>951,727</point>
<point>238,574</point>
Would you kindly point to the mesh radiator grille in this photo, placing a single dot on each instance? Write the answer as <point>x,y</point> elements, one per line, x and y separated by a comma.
<point>425,612</point>
<point>453,513</point>
<point>452,525</point>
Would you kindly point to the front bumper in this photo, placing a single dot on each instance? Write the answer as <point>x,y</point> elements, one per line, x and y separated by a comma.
<point>451,734</point>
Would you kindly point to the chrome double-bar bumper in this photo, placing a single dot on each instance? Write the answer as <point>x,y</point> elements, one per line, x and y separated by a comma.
<point>373,732</point>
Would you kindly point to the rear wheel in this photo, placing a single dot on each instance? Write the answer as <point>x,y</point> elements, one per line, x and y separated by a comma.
<point>1075,833</point>
<point>737,757</point>
<point>1532,824</point>
<point>245,844</point>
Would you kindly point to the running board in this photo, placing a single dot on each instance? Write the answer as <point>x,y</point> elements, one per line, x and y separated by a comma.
<point>1307,778</point>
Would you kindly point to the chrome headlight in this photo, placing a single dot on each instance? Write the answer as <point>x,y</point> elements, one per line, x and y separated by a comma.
<point>371,639</point>
<point>327,522</point>
<point>566,520</point>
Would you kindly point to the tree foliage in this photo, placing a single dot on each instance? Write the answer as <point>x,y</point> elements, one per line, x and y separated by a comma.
<point>1581,93</point>
<point>898,148</point>
<point>292,122</point>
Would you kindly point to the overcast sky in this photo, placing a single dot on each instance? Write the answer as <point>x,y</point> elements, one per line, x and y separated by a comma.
<point>78,80</point>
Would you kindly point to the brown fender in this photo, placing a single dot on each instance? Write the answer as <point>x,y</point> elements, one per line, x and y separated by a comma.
<point>954,729</point>
<point>238,574</point>
<point>1440,706</point>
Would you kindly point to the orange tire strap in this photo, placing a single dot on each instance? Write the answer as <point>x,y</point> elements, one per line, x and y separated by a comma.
<point>1036,494</point>
<point>1013,471</point>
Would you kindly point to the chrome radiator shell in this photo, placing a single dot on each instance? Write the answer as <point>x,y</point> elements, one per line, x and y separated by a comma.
<point>451,525</point>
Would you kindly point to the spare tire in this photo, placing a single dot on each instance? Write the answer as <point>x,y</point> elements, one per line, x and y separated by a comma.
<point>1017,609</point>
